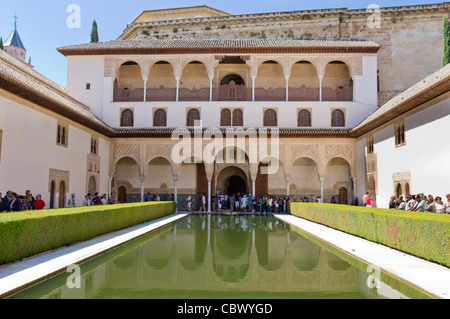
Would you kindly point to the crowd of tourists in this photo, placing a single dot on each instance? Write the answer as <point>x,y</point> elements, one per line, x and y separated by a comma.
<point>421,203</point>
<point>244,203</point>
<point>12,202</point>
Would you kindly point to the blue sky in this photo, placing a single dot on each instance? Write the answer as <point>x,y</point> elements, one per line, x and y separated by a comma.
<point>43,28</point>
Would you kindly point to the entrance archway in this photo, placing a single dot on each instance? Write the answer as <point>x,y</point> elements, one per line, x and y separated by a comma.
<point>52,194</point>
<point>122,195</point>
<point>92,187</point>
<point>343,196</point>
<point>232,180</point>
<point>62,194</point>
<point>236,185</point>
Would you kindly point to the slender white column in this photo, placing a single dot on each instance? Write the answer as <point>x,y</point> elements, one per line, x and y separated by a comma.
<point>142,188</point>
<point>178,88</point>
<point>320,87</point>
<point>175,193</point>
<point>354,89</point>
<point>321,188</point>
<point>253,88</point>
<point>210,89</point>
<point>110,185</point>
<point>145,90</point>
<point>287,87</point>
<point>253,187</point>
<point>209,196</point>
<point>287,187</point>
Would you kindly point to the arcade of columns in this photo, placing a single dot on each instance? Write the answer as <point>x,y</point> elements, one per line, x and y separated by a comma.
<point>320,151</point>
<point>211,62</point>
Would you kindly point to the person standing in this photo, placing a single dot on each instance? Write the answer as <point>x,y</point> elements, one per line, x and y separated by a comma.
<point>38,204</point>
<point>364,199</point>
<point>438,204</point>
<point>16,203</point>
<point>87,200</point>
<point>446,205</point>
<point>6,201</point>
<point>71,201</point>
<point>369,201</point>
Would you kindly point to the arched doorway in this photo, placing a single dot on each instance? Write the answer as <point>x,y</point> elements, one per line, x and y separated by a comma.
<point>398,191</point>
<point>52,194</point>
<point>122,195</point>
<point>62,194</point>
<point>343,196</point>
<point>407,191</point>
<point>232,180</point>
<point>92,187</point>
<point>236,185</point>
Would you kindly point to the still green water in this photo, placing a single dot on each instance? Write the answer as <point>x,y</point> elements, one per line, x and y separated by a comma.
<point>217,257</point>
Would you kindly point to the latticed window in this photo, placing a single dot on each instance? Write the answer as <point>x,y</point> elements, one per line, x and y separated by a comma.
<point>400,134</point>
<point>127,118</point>
<point>94,146</point>
<point>160,118</point>
<point>304,118</point>
<point>61,135</point>
<point>192,116</point>
<point>338,118</point>
<point>238,118</point>
<point>370,145</point>
<point>270,118</point>
<point>225,117</point>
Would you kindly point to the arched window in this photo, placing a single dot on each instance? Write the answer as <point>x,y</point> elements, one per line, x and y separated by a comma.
<point>337,118</point>
<point>225,117</point>
<point>160,118</point>
<point>304,118</point>
<point>238,117</point>
<point>127,118</point>
<point>270,118</point>
<point>192,116</point>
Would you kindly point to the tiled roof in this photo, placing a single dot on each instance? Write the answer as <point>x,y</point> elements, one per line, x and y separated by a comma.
<point>423,91</point>
<point>244,44</point>
<point>20,79</point>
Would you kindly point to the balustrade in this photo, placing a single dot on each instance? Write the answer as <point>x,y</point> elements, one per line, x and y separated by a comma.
<point>233,92</point>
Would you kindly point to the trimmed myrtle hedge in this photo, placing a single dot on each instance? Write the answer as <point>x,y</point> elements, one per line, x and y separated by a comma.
<point>425,235</point>
<point>29,233</point>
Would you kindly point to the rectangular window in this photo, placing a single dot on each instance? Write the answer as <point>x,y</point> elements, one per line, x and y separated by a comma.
<point>400,134</point>
<point>88,86</point>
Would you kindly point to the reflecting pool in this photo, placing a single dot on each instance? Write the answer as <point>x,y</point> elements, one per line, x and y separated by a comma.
<point>217,257</point>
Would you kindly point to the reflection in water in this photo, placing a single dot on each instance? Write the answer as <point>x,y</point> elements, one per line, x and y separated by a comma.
<point>216,256</point>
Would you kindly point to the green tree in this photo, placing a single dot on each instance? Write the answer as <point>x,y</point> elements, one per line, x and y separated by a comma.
<point>94,33</point>
<point>1,44</point>
<point>446,59</point>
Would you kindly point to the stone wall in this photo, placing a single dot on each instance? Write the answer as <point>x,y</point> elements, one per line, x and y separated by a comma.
<point>411,37</point>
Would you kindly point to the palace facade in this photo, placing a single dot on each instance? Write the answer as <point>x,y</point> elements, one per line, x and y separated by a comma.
<point>130,102</point>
